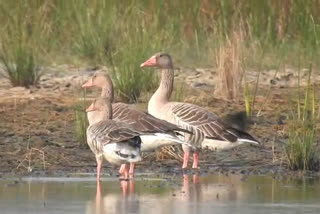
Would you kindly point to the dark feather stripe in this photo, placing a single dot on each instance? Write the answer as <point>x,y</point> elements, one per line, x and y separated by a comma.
<point>195,138</point>
<point>135,142</point>
<point>143,121</point>
<point>208,123</point>
<point>105,132</point>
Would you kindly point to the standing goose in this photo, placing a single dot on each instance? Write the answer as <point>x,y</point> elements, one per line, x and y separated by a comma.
<point>117,142</point>
<point>207,127</point>
<point>165,133</point>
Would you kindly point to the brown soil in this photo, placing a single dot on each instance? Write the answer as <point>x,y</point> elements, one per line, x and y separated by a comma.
<point>37,133</point>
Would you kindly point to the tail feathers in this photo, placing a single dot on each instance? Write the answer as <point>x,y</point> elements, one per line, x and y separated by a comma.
<point>249,141</point>
<point>234,135</point>
<point>247,138</point>
<point>171,138</point>
<point>121,153</point>
<point>129,154</point>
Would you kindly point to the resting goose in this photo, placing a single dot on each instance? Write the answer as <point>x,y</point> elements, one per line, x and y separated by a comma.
<point>207,127</point>
<point>165,132</point>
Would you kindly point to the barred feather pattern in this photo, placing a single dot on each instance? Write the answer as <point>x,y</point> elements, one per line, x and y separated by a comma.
<point>143,121</point>
<point>108,131</point>
<point>201,122</point>
<point>204,124</point>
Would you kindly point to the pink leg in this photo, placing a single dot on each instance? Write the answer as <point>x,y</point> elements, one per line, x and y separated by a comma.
<point>126,172</point>
<point>98,193</point>
<point>195,178</point>
<point>122,168</point>
<point>123,171</point>
<point>185,179</point>
<point>186,187</point>
<point>185,160</point>
<point>99,164</point>
<point>98,198</point>
<point>195,160</point>
<point>124,187</point>
<point>132,186</point>
<point>132,165</point>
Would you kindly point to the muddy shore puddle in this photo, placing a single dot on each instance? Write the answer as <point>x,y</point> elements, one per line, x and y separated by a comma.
<point>184,194</point>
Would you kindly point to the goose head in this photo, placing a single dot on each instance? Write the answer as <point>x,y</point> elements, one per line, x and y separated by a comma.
<point>160,60</point>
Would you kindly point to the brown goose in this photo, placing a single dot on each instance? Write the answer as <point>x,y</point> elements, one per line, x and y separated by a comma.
<point>165,132</point>
<point>117,142</point>
<point>207,127</point>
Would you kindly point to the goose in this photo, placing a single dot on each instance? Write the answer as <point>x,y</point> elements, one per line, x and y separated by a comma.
<point>165,133</point>
<point>117,142</point>
<point>206,126</point>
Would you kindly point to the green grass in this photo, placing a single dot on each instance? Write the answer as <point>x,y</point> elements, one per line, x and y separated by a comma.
<point>302,151</point>
<point>179,93</point>
<point>105,31</point>
<point>81,123</point>
<point>20,65</point>
<point>94,22</point>
<point>89,29</point>
<point>19,43</point>
<point>122,34</point>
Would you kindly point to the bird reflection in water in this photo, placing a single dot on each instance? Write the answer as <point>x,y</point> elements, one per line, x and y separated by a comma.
<point>191,192</point>
<point>129,201</point>
<point>114,202</point>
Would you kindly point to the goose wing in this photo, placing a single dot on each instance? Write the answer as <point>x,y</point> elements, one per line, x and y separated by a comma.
<point>194,117</point>
<point>105,132</point>
<point>112,132</point>
<point>143,121</point>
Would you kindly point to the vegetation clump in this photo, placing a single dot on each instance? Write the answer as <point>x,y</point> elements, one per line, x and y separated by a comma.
<point>302,150</point>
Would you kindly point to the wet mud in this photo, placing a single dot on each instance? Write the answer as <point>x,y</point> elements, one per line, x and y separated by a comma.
<point>37,132</point>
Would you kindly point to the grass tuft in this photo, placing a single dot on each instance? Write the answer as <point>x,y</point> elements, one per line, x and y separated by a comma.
<point>302,151</point>
<point>20,65</point>
<point>81,123</point>
<point>230,69</point>
<point>129,79</point>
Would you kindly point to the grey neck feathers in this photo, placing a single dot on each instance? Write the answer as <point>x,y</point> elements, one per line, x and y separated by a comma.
<point>107,90</point>
<point>97,116</point>
<point>108,111</point>
<point>166,85</point>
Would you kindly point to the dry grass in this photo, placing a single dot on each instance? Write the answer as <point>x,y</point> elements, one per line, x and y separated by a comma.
<point>169,152</point>
<point>230,69</point>
<point>30,159</point>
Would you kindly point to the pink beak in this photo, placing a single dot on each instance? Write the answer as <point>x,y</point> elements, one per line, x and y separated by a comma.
<point>150,62</point>
<point>87,84</point>
<point>91,108</point>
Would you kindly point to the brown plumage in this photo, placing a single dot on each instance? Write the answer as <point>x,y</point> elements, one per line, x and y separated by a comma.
<point>206,126</point>
<point>164,132</point>
<point>118,142</point>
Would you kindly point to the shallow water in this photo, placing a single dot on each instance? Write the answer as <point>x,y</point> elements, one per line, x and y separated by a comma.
<point>188,194</point>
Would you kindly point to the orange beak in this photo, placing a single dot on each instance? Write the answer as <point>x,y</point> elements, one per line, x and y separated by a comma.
<point>151,62</point>
<point>87,84</point>
<point>91,108</point>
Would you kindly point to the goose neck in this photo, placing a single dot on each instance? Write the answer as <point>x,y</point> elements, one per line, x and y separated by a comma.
<point>98,116</point>
<point>165,89</point>
<point>107,92</point>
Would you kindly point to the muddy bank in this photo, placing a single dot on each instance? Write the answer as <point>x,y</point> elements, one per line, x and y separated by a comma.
<point>37,133</point>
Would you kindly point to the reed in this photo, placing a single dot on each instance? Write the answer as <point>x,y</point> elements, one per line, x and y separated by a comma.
<point>302,150</point>
<point>97,32</point>
<point>230,70</point>
<point>81,122</point>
